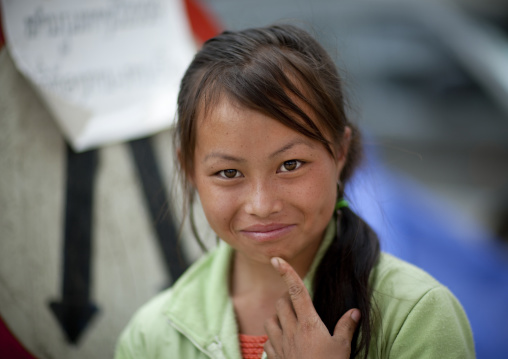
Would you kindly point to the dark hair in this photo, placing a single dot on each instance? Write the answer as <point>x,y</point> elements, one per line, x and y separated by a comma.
<point>273,70</point>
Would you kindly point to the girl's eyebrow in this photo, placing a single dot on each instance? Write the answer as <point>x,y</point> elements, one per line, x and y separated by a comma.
<point>223,156</point>
<point>290,145</point>
<point>283,149</point>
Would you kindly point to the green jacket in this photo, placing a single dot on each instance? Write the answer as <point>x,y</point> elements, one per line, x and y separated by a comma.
<point>419,317</point>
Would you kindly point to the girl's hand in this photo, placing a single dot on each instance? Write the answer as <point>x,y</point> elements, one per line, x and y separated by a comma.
<point>296,331</point>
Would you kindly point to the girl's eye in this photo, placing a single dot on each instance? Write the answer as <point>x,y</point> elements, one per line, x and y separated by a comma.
<point>230,173</point>
<point>290,165</point>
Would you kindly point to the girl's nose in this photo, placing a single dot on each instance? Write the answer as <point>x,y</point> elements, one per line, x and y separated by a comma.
<point>263,200</point>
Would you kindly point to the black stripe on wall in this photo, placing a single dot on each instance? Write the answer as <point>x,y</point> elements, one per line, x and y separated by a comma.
<point>157,202</point>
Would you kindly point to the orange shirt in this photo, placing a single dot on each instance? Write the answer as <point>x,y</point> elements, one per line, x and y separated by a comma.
<point>251,346</point>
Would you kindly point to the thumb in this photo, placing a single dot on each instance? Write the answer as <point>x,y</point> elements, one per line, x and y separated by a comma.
<point>346,326</point>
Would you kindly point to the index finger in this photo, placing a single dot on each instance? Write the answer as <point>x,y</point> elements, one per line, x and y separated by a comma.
<point>300,297</point>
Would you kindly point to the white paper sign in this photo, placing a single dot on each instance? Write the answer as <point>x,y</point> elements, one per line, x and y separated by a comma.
<point>108,70</point>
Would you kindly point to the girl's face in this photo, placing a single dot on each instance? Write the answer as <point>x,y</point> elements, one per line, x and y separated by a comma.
<point>266,189</point>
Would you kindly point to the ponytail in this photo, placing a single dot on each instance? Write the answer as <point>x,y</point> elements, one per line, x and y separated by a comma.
<point>342,278</point>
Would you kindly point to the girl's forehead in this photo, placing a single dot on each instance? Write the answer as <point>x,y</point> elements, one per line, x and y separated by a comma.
<point>218,106</point>
<point>224,113</point>
<point>229,112</point>
<point>230,117</point>
<point>231,130</point>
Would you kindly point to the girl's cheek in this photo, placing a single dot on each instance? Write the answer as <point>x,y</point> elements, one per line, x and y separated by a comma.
<point>224,206</point>
<point>218,204</point>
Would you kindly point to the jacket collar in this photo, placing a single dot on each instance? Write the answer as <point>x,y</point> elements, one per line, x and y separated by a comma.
<point>201,308</point>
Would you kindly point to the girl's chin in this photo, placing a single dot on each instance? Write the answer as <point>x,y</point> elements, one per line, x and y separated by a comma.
<point>261,258</point>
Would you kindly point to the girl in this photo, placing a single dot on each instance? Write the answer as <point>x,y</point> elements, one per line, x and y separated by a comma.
<point>262,137</point>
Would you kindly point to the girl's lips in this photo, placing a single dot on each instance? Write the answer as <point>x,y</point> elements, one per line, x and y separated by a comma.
<point>265,233</point>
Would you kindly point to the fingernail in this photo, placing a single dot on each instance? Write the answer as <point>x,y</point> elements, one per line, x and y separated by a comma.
<point>275,262</point>
<point>355,315</point>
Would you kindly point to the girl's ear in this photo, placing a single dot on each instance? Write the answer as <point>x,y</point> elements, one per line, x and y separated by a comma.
<point>344,148</point>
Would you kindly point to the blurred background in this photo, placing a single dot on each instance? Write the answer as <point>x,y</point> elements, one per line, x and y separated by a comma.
<point>427,82</point>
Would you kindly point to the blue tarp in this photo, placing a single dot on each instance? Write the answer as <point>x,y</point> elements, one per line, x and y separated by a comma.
<point>418,226</point>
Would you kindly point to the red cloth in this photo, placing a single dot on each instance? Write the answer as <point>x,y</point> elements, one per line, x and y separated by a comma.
<point>2,38</point>
<point>203,24</point>
<point>251,346</point>
<point>10,347</point>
